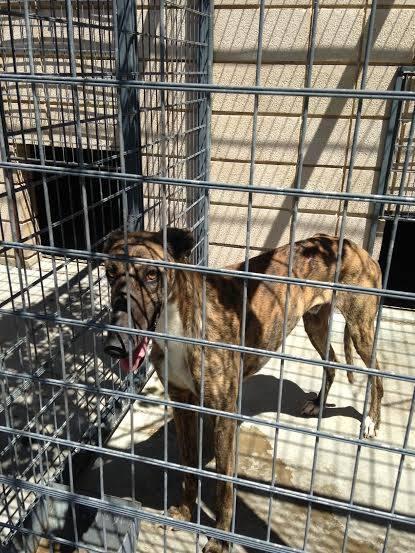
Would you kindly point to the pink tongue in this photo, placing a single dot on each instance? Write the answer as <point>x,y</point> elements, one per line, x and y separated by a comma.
<point>138,356</point>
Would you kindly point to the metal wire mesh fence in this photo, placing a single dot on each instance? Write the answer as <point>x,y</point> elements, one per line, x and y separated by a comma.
<point>395,158</point>
<point>83,127</point>
<point>105,126</point>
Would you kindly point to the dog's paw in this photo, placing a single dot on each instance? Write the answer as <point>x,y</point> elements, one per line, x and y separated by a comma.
<point>215,546</point>
<point>369,428</point>
<point>310,408</point>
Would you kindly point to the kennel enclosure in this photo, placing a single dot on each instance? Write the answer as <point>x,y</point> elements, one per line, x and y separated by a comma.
<point>101,130</point>
<point>106,123</point>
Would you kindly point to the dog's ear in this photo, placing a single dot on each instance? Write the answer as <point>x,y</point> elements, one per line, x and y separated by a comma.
<point>112,238</point>
<point>179,241</point>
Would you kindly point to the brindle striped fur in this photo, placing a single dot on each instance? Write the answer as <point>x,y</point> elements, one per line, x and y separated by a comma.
<point>314,258</point>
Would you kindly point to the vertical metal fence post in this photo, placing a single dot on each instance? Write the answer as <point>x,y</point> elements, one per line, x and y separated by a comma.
<point>204,68</point>
<point>127,65</point>
<point>390,139</point>
<point>15,231</point>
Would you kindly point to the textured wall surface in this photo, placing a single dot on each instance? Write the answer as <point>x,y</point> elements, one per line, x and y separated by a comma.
<point>341,31</point>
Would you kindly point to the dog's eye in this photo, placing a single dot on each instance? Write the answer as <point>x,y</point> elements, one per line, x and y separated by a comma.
<point>111,272</point>
<point>151,275</point>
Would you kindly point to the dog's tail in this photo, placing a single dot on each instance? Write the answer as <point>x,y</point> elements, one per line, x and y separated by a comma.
<point>348,352</point>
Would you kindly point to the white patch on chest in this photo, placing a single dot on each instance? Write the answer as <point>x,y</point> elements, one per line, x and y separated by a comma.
<point>178,372</point>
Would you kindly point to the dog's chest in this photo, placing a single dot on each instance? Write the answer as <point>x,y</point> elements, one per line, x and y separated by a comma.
<point>178,371</point>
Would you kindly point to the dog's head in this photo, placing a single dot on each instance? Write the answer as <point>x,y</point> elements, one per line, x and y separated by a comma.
<point>144,290</point>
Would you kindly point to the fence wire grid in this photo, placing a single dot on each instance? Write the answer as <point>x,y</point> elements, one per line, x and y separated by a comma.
<point>106,124</point>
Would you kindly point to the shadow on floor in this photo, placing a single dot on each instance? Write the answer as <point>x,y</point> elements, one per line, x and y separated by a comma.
<point>260,395</point>
<point>149,482</point>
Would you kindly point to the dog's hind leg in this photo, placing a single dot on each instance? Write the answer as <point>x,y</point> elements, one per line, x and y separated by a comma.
<point>361,326</point>
<point>316,326</point>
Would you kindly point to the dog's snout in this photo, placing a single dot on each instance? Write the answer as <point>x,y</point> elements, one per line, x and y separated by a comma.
<point>114,346</point>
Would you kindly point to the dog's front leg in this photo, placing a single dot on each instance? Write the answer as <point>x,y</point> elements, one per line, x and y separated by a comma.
<point>225,455</point>
<point>186,430</point>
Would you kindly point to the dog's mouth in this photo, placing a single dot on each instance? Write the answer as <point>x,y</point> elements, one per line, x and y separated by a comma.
<point>133,362</point>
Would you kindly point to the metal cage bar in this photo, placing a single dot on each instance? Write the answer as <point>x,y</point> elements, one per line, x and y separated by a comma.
<point>101,129</point>
<point>119,138</point>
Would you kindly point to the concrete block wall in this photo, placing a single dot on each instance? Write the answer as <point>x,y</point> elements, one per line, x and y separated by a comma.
<point>341,31</point>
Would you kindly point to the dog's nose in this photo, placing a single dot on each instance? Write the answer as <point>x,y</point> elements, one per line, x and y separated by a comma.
<point>114,346</point>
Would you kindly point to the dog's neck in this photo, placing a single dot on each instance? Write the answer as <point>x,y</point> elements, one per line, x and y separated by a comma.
<point>184,302</point>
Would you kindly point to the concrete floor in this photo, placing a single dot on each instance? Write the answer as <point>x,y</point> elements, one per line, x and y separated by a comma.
<point>377,472</point>
<point>376,475</point>
<point>29,346</point>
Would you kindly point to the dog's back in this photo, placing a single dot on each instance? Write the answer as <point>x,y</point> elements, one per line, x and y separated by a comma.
<point>314,259</point>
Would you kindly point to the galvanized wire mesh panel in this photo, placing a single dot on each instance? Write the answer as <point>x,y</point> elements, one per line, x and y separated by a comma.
<point>401,119</point>
<point>95,128</point>
<point>117,136</point>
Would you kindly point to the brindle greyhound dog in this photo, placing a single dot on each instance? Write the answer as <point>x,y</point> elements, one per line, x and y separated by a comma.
<point>314,258</point>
